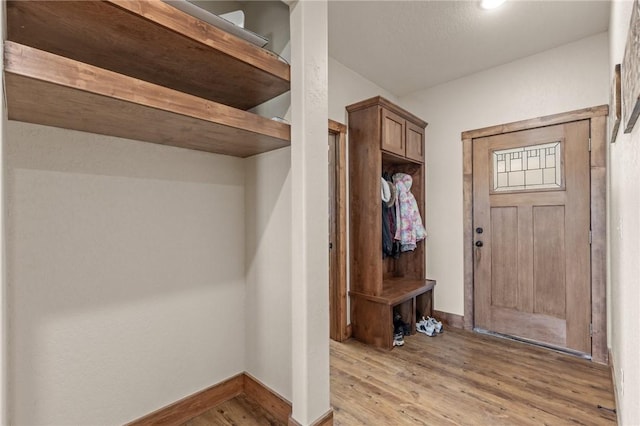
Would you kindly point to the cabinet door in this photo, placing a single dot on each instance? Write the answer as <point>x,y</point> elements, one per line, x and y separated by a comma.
<point>415,142</point>
<point>393,133</point>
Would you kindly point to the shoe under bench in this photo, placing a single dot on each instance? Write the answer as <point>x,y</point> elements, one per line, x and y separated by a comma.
<point>372,315</point>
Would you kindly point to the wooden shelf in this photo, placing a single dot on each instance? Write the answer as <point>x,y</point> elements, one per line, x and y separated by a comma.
<point>154,42</point>
<point>48,89</point>
<point>398,290</point>
<point>389,158</point>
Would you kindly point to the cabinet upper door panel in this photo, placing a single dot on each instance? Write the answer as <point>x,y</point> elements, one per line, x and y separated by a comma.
<point>415,142</point>
<point>393,133</point>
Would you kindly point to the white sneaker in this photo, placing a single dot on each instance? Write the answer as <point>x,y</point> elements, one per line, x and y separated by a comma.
<point>398,339</point>
<point>426,328</point>
<point>434,322</point>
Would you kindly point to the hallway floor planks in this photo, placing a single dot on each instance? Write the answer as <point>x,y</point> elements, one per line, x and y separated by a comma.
<point>238,411</point>
<point>465,378</point>
<point>456,378</point>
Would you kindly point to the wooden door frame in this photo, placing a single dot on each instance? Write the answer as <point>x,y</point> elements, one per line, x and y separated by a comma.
<point>597,117</point>
<point>338,293</point>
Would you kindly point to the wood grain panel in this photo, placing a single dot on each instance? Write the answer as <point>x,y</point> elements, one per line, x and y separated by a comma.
<point>467,223</point>
<point>504,256</point>
<point>410,264</point>
<point>387,104</point>
<point>393,133</point>
<point>482,219</point>
<point>377,136</point>
<point>336,127</point>
<point>51,90</point>
<point>371,322</point>
<point>407,310</point>
<point>549,120</point>
<point>155,42</point>
<point>549,261</point>
<point>424,305</point>
<point>536,327</point>
<point>599,265</point>
<point>364,236</point>
<point>542,198</point>
<point>252,403</point>
<point>598,218</point>
<point>240,410</point>
<point>193,405</point>
<point>334,285</point>
<point>599,349</point>
<point>270,401</point>
<point>339,293</point>
<point>598,149</point>
<point>398,290</point>
<point>577,233</point>
<point>525,259</point>
<point>415,142</point>
<point>528,138</point>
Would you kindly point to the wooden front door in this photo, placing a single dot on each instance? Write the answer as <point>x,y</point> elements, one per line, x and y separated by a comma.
<point>531,222</point>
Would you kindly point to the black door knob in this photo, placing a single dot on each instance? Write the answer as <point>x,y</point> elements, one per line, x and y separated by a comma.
<point>479,230</point>
<point>479,244</point>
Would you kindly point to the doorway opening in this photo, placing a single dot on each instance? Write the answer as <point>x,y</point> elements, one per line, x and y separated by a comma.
<point>337,232</point>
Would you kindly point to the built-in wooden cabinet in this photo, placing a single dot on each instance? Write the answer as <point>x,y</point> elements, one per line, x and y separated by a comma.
<point>415,142</point>
<point>401,136</point>
<point>140,69</point>
<point>383,138</point>
<point>393,132</point>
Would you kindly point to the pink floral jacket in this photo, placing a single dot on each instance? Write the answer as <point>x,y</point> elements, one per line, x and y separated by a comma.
<point>409,229</point>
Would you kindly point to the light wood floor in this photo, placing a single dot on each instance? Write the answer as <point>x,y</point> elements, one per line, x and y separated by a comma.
<point>240,411</point>
<point>456,378</point>
<point>463,378</point>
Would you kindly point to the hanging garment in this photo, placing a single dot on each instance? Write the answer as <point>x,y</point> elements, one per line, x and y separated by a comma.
<point>390,247</point>
<point>387,235</point>
<point>409,228</point>
<point>385,191</point>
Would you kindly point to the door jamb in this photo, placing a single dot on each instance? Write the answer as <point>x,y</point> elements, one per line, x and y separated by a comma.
<point>597,117</point>
<point>338,294</point>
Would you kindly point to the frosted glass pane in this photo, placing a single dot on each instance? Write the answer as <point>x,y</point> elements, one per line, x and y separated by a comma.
<point>534,177</point>
<point>527,168</point>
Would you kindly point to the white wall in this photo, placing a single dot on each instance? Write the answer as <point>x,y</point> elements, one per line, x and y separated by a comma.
<point>271,19</point>
<point>624,231</point>
<point>347,87</point>
<point>268,266</point>
<point>569,77</point>
<point>126,275</point>
<point>309,212</point>
<point>268,228</point>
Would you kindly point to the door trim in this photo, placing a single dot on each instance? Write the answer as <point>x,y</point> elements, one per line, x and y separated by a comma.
<point>598,159</point>
<point>338,294</point>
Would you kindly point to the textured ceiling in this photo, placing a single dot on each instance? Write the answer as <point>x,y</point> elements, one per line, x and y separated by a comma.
<point>405,46</point>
